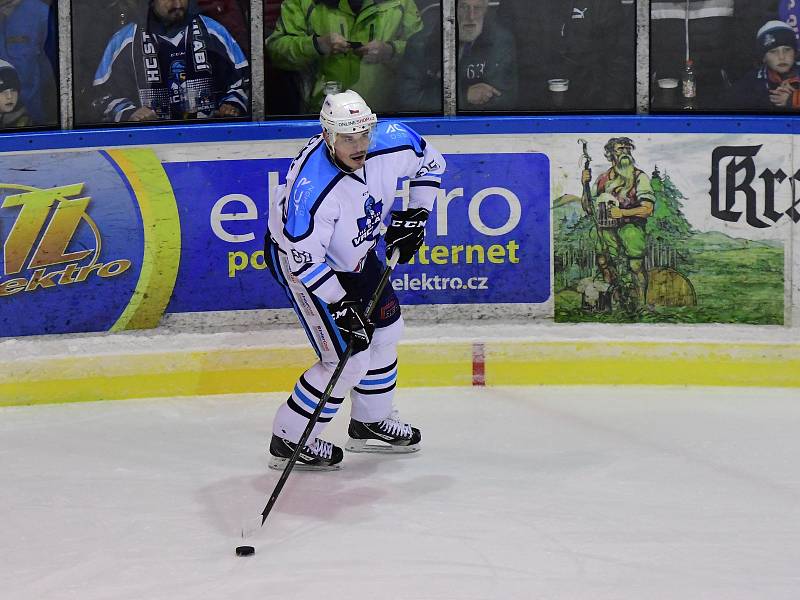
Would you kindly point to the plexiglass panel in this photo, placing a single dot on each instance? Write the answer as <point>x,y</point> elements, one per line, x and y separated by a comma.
<point>28,64</point>
<point>162,60</point>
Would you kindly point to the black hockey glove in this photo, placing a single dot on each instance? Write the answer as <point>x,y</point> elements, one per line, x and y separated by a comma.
<point>352,323</point>
<point>406,232</point>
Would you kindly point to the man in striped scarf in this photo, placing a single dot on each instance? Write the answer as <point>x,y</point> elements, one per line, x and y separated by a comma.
<point>177,65</point>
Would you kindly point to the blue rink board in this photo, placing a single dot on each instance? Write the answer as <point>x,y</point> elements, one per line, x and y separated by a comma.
<point>462,125</point>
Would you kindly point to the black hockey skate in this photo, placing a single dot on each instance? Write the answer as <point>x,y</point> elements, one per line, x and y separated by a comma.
<point>388,436</point>
<point>318,455</point>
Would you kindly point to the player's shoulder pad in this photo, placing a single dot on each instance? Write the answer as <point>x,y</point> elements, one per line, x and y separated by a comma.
<point>393,136</point>
<point>314,182</point>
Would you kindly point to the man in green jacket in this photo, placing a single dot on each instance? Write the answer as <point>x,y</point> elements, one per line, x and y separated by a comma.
<point>357,43</point>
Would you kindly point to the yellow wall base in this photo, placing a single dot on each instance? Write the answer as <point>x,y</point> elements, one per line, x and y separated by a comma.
<point>253,370</point>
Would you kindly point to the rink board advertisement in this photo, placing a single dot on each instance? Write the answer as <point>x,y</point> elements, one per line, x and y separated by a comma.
<point>487,239</point>
<point>679,229</point>
<point>97,241</point>
<point>89,242</point>
<point>696,229</point>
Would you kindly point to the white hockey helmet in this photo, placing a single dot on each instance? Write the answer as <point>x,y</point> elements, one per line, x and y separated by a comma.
<point>345,112</point>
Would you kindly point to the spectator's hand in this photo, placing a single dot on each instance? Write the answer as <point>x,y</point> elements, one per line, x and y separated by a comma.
<point>781,94</point>
<point>144,113</point>
<point>332,43</point>
<point>481,93</point>
<point>375,51</point>
<point>586,176</point>
<point>615,212</point>
<point>229,110</point>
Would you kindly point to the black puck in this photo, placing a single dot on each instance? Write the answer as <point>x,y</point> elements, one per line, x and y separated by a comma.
<point>245,550</point>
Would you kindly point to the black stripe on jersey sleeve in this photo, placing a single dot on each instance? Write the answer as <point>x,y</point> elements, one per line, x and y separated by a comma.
<point>426,183</point>
<point>319,282</point>
<point>303,269</point>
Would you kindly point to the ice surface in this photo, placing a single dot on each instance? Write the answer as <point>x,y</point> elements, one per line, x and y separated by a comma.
<point>519,493</point>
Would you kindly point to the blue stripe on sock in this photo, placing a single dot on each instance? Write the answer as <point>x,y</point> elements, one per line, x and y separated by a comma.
<point>391,377</point>
<point>310,403</point>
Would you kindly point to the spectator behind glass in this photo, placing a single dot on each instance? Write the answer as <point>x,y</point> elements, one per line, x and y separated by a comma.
<point>24,26</point>
<point>591,43</point>
<point>712,29</point>
<point>420,78</point>
<point>357,43</point>
<point>92,26</point>
<point>12,110</point>
<point>283,89</point>
<point>487,60</point>
<point>181,65</point>
<point>487,70</point>
<point>775,85</point>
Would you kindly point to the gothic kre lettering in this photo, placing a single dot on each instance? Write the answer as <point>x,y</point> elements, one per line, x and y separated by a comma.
<point>733,171</point>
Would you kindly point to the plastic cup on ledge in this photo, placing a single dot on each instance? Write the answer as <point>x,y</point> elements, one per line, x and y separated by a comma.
<point>558,90</point>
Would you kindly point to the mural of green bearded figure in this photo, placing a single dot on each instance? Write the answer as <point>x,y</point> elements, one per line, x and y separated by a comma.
<point>620,201</point>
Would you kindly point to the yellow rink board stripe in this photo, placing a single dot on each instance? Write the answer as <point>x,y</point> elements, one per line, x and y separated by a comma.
<point>268,369</point>
<point>643,363</point>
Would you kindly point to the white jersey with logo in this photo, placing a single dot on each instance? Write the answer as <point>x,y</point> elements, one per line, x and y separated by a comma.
<point>327,220</point>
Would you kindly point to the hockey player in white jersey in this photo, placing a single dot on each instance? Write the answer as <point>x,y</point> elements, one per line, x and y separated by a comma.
<point>324,226</point>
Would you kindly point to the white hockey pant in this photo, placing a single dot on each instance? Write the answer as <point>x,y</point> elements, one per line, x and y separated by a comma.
<point>370,377</point>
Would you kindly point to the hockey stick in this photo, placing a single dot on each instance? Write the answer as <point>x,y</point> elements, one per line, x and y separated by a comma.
<point>390,265</point>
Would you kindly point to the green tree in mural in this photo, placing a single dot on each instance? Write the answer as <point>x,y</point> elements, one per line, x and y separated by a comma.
<point>667,226</point>
<point>573,245</point>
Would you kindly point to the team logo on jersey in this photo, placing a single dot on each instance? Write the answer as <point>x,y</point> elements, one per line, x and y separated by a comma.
<point>368,224</point>
<point>177,81</point>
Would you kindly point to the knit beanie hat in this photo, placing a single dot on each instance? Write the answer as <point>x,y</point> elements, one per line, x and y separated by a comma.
<point>774,34</point>
<point>9,78</point>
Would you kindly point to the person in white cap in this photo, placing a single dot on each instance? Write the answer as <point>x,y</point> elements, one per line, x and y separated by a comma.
<point>775,85</point>
<point>324,225</point>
